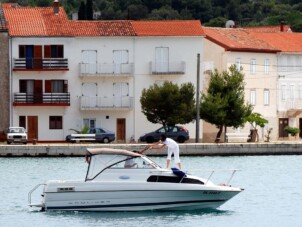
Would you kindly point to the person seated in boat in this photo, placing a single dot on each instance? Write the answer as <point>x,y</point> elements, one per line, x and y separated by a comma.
<point>130,163</point>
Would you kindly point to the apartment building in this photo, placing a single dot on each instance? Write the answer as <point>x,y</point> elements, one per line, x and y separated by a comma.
<point>70,74</point>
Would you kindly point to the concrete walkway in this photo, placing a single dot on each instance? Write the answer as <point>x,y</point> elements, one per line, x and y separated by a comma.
<point>189,149</point>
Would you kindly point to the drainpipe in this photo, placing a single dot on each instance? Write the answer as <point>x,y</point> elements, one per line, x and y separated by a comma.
<point>10,81</point>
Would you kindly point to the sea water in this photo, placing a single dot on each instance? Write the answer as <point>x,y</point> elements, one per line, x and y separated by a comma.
<point>272,195</point>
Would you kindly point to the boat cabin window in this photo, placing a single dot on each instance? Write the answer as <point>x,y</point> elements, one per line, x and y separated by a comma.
<point>168,179</point>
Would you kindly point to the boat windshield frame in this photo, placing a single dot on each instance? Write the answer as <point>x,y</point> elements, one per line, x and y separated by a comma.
<point>145,158</point>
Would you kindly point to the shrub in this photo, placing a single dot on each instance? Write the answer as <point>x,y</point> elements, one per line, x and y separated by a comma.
<point>292,130</point>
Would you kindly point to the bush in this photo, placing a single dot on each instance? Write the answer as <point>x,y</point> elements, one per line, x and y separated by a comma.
<point>292,130</point>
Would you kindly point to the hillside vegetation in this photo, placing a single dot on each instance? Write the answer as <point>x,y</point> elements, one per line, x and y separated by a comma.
<point>209,12</point>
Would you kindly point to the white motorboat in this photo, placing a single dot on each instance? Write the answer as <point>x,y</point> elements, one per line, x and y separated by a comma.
<point>121,180</point>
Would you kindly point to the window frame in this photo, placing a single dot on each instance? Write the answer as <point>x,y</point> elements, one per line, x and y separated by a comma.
<point>55,122</point>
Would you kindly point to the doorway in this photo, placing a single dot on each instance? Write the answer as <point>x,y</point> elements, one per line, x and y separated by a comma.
<point>283,122</point>
<point>32,127</point>
<point>120,130</point>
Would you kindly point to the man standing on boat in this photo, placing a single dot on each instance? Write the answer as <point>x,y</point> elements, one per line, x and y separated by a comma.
<point>173,148</point>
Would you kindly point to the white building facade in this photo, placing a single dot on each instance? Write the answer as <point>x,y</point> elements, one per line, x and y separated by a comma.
<point>68,81</point>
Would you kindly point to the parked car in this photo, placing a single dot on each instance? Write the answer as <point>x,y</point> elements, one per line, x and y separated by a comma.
<point>100,135</point>
<point>16,135</point>
<point>178,133</point>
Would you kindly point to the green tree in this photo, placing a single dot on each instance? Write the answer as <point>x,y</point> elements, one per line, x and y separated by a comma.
<point>256,119</point>
<point>82,11</point>
<point>223,104</point>
<point>169,104</point>
<point>89,10</point>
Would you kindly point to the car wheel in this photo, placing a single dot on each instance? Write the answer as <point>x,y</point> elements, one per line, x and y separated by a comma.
<point>9,142</point>
<point>181,139</point>
<point>106,140</point>
<point>150,139</point>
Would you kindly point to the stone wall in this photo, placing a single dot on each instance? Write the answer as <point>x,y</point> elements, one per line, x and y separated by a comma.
<point>4,81</point>
<point>192,149</point>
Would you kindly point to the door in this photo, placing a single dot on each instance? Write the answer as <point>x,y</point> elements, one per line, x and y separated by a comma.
<point>38,91</point>
<point>121,94</point>
<point>89,62</point>
<point>38,62</point>
<point>32,127</point>
<point>283,122</point>
<point>29,56</point>
<point>300,127</point>
<point>162,59</point>
<point>89,95</point>
<point>121,130</point>
<point>120,58</point>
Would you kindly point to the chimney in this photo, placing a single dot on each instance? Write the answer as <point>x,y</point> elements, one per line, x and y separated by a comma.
<point>282,26</point>
<point>56,7</point>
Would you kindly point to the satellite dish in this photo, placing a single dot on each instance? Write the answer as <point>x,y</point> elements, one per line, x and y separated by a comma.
<point>230,24</point>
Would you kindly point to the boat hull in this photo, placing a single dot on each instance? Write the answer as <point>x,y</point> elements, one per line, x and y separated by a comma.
<point>153,197</point>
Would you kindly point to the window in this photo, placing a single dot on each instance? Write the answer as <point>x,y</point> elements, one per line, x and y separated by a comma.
<point>89,122</point>
<point>300,91</point>
<point>54,51</point>
<point>266,97</point>
<point>22,121</point>
<point>292,91</point>
<point>55,122</point>
<point>266,66</point>
<point>253,97</point>
<point>253,66</point>
<point>56,86</point>
<point>283,92</point>
<point>238,64</point>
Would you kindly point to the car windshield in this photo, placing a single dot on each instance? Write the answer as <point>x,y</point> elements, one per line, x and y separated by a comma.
<point>16,130</point>
<point>100,163</point>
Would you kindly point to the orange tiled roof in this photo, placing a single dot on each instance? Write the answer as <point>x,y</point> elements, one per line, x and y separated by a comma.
<point>285,28</point>
<point>29,21</point>
<point>237,39</point>
<point>286,42</point>
<point>41,21</point>
<point>168,28</point>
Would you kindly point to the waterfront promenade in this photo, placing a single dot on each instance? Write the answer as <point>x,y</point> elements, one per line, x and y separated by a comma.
<point>187,149</point>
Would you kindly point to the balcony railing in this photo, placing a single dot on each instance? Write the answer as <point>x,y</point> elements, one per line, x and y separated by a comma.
<point>168,68</point>
<point>105,70</point>
<point>47,64</point>
<point>95,103</point>
<point>47,99</point>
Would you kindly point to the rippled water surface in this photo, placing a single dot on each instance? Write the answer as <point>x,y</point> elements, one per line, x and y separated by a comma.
<point>272,196</point>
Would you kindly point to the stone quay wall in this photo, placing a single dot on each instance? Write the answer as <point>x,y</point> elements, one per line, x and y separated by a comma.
<point>190,149</point>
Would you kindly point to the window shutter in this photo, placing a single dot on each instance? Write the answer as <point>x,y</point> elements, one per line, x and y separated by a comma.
<point>47,51</point>
<point>47,86</point>
<point>65,87</point>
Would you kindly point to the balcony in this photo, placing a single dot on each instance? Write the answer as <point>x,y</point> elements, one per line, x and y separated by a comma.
<point>106,103</point>
<point>45,99</point>
<point>40,64</point>
<point>106,70</point>
<point>168,68</point>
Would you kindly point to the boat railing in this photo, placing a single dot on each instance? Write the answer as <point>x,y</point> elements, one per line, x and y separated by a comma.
<point>31,191</point>
<point>212,171</point>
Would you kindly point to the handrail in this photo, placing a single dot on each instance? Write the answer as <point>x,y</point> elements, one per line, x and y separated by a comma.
<point>31,191</point>
<point>216,170</point>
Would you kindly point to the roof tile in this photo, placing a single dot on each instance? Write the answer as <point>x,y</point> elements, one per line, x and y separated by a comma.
<point>237,39</point>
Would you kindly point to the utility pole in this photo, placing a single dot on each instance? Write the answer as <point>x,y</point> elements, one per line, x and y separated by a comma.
<point>197,99</point>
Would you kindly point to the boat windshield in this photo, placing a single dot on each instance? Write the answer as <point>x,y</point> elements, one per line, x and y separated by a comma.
<point>99,163</point>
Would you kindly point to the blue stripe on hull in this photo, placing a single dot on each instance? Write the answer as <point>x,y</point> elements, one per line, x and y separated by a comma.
<point>130,205</point>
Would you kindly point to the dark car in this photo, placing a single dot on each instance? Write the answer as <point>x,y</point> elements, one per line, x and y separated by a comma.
<point>100,135</point>
<point>177,133</point>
